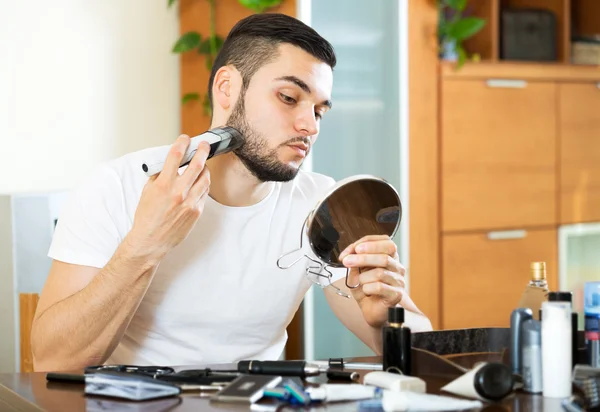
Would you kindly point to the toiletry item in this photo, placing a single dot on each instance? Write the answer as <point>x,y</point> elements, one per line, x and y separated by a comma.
<point>395,382</point>
<point>340,375</point>
<point>298,368</point>
<point>517,317</point>
<point>536,290</point>
<point>487,381</point>
<point>246,388</point>
<point>410,401</point>
<point>396,343</point>
<point>340,392</point>
<point>531,356</point>
<point>592,322</point>
<point>128,386</point>
<point>568,297</point>
<point>340,363</point>
<point>556,349</point>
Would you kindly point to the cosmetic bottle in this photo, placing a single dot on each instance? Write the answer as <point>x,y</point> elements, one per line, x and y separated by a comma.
<point>536,290</point>
<point>591,309</point>
<point>556,350</point>
<point>396,343</point>
<point>568,297</point>
<point>517,318</point>
<point>486,381</point>
<point>531,356</point>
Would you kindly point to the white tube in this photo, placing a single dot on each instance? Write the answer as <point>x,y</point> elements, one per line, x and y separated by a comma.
<point>410,401</point>
<point>556,349</point>
<point>341,392</point>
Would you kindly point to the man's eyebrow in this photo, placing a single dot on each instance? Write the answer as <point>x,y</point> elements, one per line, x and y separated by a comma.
<point>301,84</point>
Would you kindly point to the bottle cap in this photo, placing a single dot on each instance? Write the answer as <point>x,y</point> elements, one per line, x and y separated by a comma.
<point>494,381</point>
<point>560,297</point>
<point>538,270</point>
<point>532,333</point>
<point>396,315</point>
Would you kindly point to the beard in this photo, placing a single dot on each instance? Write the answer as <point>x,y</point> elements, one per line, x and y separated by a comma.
<point>262,162</point>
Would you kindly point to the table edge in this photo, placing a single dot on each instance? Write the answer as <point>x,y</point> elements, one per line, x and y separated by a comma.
<point>16,402</point>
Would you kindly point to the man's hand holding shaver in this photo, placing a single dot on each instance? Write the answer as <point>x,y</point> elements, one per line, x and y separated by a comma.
<point>171,203</point>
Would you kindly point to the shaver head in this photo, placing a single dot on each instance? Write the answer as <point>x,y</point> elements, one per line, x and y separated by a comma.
<point>231,139</point>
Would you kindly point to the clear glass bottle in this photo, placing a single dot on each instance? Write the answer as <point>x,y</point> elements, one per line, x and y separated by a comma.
<point>538,275</point>
<point>536,291</point>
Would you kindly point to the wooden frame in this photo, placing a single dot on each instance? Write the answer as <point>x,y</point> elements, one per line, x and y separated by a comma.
<point>424,202</point>
<point>27,306</point>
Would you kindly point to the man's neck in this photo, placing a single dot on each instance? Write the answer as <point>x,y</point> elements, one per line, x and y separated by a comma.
<point>231,184</point>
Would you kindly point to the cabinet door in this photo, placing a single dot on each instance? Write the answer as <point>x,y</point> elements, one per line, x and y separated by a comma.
<point>484,274</point>
<point>498,154</point>
<point>580,152</point>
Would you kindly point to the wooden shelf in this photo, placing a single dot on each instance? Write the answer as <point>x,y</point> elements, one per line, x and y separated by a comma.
<point>574,18</point>
<point>524,71</point>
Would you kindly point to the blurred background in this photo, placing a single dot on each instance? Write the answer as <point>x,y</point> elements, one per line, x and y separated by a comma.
<point>484,114</point>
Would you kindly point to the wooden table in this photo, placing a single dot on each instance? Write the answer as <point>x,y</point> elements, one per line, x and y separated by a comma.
<point>27,392</point>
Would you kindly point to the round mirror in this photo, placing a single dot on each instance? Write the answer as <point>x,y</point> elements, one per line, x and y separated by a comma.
<point>355,207</point>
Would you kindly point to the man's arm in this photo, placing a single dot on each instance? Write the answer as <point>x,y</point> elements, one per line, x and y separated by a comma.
<point>351,316</point>
<point>83,311</point>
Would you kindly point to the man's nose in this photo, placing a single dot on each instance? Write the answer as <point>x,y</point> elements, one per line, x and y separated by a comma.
<point>307,124</point>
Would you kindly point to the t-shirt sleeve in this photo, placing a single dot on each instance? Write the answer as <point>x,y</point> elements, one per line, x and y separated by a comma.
<point>88,232</point>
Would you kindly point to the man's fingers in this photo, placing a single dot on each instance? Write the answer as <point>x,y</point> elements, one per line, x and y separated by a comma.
<point>351,248</point>
<point>199,188</point>
<point>382,275</point>
<point>374,261</point>
<point>196,166</point>
<point>176,153</point>
<point>387,247</point>
<point>391,294</point>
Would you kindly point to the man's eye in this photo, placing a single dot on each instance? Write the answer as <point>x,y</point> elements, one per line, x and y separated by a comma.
<point>286,99</point>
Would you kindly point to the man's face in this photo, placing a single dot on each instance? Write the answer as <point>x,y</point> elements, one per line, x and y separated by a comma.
<point>280,112</point>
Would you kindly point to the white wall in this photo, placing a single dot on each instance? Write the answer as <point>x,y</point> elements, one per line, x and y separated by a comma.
<point>82,82</point>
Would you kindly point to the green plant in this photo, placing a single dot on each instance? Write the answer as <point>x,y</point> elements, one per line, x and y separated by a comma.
<point>454,29</point>
<point>210,45</point>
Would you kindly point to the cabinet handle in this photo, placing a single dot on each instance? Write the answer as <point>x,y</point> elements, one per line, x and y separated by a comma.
<point>507,84</point>
<point>507,234</point>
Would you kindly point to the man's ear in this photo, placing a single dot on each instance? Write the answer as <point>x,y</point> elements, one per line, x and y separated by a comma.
<point>222,88</point>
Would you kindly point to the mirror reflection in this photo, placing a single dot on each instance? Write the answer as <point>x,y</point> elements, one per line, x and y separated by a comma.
<point>357,208</point>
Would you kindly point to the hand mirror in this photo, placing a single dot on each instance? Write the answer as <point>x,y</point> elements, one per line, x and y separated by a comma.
<point>354,207</point>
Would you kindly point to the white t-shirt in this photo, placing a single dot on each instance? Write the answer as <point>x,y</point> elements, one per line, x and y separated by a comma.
<point>218,296</point>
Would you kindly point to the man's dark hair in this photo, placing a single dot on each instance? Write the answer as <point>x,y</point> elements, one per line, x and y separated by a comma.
<point>254,41</point>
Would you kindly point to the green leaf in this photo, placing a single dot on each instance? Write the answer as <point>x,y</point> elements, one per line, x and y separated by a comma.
<point>187,42</point>
<point>259,5</point>
<point>205,45</point>
<point>171,2</point>
<point>465,28</point>
<point>457,4</point>
<point>219,42</point>
<point>190,97</point>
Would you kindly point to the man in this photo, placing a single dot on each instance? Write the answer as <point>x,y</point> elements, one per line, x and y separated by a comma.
<point>180,268</point>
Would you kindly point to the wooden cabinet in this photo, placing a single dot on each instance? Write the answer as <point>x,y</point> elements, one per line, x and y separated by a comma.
<point>579,120</point>
<point>498,154</point>
<point>484,274</point>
